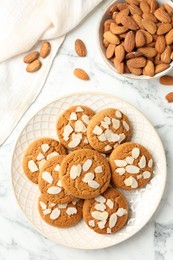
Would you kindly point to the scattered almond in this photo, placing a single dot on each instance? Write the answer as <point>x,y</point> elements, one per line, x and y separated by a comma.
<point>30,57</point>
<point>169,97</point>
<point>45,49</point>
<point>80,48</point>
<point>81,74</point>
<point>33,66</point>
<point>166,80</point>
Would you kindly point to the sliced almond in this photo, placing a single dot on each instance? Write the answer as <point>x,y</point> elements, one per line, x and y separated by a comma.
<point>55,214</point>
<point>93,184</point>
<point>53,190</point>
<point>32,166</point>
<point>47,177</point>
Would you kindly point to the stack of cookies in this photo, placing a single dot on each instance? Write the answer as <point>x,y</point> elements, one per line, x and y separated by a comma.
<point>78,175</point>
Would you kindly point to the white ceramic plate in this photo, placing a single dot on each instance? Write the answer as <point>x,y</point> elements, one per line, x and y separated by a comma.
<point>142,202</point>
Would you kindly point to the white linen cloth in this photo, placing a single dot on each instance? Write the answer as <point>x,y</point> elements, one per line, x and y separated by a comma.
<point>23,24</point>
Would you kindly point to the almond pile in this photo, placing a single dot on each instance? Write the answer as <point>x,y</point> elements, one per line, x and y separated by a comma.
<point>32,60</point>
<point>138,36</point>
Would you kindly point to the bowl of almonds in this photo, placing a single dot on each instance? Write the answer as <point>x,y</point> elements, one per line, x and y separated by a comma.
<point>136,38</point>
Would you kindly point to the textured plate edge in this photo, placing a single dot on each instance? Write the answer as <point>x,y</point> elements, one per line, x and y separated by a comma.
<point>149,123</point>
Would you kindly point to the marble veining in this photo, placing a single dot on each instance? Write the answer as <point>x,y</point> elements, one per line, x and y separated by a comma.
<point>18,240</point>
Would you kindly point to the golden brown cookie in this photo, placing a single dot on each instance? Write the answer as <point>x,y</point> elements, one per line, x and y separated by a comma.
<point>72,127</point>
<point>106,213</point>
<point>49,182</point>
<point>60,215</point>
<point>85,173</point>
<point>107,129</point>
<point>37,153</point>
<point>132,166</point>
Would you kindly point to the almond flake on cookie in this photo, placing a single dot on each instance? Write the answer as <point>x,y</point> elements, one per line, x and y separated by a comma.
<point>41,163</point>
<point>99,215</point>
<point>100,199</point>
<point>122,137</point>
<point>91,223</point>
<point>132,169</point>
<point>102,137</point>
<point>59,183</point>
<point>86,141</point>
<point>150,163</point>
<point>139,176</point>
<point>131,181</point>
<point>85,119</point>
<point>121,212</point>
<point>98,169</point>
<point>73,116</point>
<point>68,130</point>
<point>52,204</point>
<point>51,155</point>
<point>62,206</point>
<point>116,123</point>
<point>46,211</point>
<point>101,224</point>
<point>103,123</point>
<point>135,153</point>
<point>109,231</point>
<point>79,109</point>
<point>74,142</point>
<point>107,120</point>
<point>55,214</point>
<point>46,176</point>
<point>129,159</point>
<point>108,148</point>
<point>79,126</point>
<point>120,163</point>
<point>118,114</point>
<point>110,203</point>
<point>120,171</point>
<point>71,211</point>
<point>126,126</point>
<point>75,171</point>
<point>93,184</point>
<point>42,205</point>
<point>88,177</point>
<point>87,164</point>
<point>57,168</point>
<point>97,130</point>
<point>40,156</point>
<point>54,190</point>
<point>146,174</point>
<point>100,207</point>
<point>142,162</point>
<point>45,147</point>
<point>75,201</point>
<point>112,220</point>
<point>32,166</point>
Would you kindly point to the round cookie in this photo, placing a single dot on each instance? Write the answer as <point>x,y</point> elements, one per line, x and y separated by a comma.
<point>49,182</point>
<point>37,153</point>
<point>106,213</point>
<point>107,129</point>
<point>131,165</point>
<point>72,127</point>
<point>85,173</point>
<point>60,215</point>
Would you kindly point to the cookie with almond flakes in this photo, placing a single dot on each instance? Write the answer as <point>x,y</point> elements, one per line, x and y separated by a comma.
<point>107,129</point>
<point>72,127</point>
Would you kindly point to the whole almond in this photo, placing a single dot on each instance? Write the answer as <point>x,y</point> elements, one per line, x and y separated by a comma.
<point>150,16</point>
<point>140,39</point>
<point>121,14</point>
<point>169,9</point>
<point>119,66</point>
<point>112,9</point>
<point>80,48</point>
<point>166,55</point>
<point>157,59</point>
<point>151,44</point>
<point>161,67</point>
<point>129,42</point>
<point>111,38</point>
<point>107,24</point>
<point>145,7</point>
<point>148,52</point>
<point>164,28</point>
<point>114,16</point>
<point>148,36</point>
<point>118,29</point>
<point>135,71</point>
<point>126,68</point>
<point>133,54</point>
<point>81,74</point>
<point>122,35</point>
<point>134,9</point>
<point>135,2</point>
<point>138,19</point>
<point>110,51</point>
<point>129,22</point>
<point>169,37</point>
<point>149,25</point>
<point>30,57</point>
<point>122,6</point>
<point>162,16</point>
<point>166,80</point>
<point>137,62</point>
<point>120,53</point>
<point>45,49</point>
<point>160,44</point>
<point>153,5</point>
<point>105,43</point>
<point>149,69</point>
<point>169,97</point>
<point>33,66</point>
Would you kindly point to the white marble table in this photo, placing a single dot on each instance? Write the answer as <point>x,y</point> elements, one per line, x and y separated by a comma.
<point>18,240</point>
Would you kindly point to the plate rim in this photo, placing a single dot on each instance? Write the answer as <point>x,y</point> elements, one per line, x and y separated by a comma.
<point>149,123</point>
